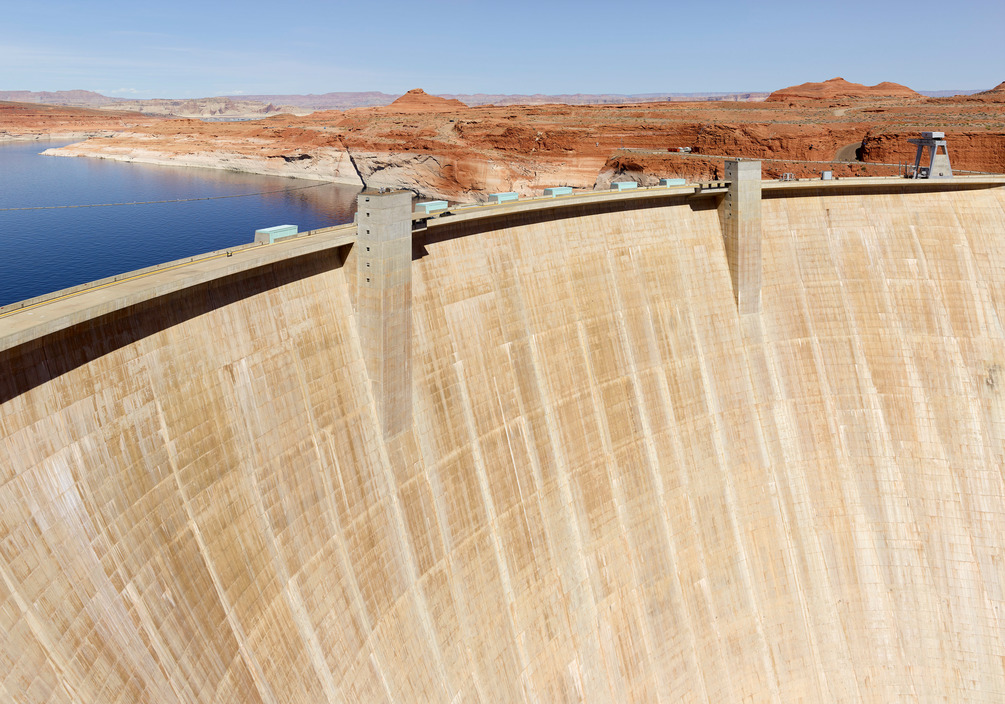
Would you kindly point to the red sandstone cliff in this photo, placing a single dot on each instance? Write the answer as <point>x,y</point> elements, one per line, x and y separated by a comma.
<point>442,148</point>
<point>969,150</point>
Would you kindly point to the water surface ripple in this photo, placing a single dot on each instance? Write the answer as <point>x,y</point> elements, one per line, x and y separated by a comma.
<point>44,250</point>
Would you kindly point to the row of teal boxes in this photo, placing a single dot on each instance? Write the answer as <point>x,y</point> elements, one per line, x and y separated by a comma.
<point>268,235</point>
<point>433,205</point>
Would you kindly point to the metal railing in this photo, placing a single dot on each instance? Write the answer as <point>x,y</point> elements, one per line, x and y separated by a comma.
<point>901,166</point>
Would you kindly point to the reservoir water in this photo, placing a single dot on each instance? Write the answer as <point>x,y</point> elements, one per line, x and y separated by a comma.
<point>47,248</point>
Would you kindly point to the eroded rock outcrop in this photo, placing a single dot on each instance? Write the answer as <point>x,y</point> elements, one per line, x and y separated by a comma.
<point>840,88</point>
<point>995,95</point>
<point>418,100</point>
<point>442,148</point>
<point>206,108</point>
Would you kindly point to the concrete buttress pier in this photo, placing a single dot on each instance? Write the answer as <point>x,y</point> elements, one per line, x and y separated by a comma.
<point>740,216</point>
<point>384,302</point>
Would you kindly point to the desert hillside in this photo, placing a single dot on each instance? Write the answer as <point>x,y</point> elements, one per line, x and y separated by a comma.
<point>36,120</point>
<point>839,88</point>
<point>439,147</point>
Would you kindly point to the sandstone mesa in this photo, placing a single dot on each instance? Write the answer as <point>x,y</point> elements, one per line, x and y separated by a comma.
<point>418,100</point>
<point>840,88</point>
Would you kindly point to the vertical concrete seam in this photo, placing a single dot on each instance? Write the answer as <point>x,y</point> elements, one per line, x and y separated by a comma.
<point>652,460</point>
<point>290,588</point>
<point>565,491</point>
<point>744,564</point>
<point>376,658</point>
<point>247,653</point>
<point>417,595</point>
<point>493,520</point>
<point>612,477</point>
<point>423,432</point>
<point>45,641</point>
<point>922,402</point>
<point>782,487</point>
<point>850,490</point>
<point>400,525</point>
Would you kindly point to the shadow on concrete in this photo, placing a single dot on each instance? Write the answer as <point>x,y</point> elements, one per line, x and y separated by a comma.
<point>51,356</point>
<point>442,230</point>
<point>844,187</point>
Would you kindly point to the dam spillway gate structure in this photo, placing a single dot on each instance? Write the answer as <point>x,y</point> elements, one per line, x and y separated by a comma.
<point>934,145</point>
<point>613,485</point>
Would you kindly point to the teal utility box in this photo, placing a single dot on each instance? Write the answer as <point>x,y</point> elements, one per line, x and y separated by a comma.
<point>268,235</point>
<point>623,185</point>
<point>502,197</point>
<point>431,205</point>
<point>558,191</point>
<point>672,182</point>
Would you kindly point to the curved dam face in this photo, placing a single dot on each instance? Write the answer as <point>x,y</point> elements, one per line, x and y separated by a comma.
<point>613,487</point>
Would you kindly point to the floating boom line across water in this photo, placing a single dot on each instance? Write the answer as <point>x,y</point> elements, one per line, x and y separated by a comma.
<point>177,200</point>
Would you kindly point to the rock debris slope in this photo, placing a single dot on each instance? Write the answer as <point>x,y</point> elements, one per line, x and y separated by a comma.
<point>613,489</point>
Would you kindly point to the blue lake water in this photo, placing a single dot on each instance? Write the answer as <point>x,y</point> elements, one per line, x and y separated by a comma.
<point>46,250</point>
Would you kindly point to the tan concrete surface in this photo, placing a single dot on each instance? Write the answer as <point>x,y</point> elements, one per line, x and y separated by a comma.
<point>383,305</point>
<point>613,489</point>
<point>740,218</point>
<point>28,320</point>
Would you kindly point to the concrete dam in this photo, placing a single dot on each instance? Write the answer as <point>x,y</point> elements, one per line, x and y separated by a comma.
<point>602,448</point>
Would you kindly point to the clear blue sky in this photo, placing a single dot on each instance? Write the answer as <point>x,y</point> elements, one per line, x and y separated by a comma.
<point>183,48</point>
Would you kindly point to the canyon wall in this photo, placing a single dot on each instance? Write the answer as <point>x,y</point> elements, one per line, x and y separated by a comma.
<point>444,150</point>
<point>613,489</point>
<point>982,151</point>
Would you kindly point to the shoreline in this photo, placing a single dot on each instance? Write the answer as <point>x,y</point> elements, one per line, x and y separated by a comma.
<point>329,165</point>
<point>55,136</point>
<point>414,172</point>
<point>330,168</point>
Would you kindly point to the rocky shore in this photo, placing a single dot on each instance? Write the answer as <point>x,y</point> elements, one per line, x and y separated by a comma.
<point>51,136</point>
<point>332,165</point>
